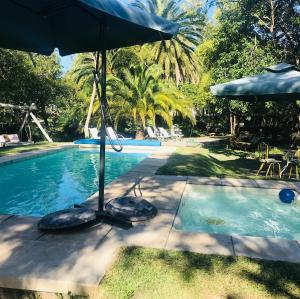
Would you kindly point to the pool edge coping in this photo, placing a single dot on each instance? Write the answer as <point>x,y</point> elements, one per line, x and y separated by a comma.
<point>32,154</point>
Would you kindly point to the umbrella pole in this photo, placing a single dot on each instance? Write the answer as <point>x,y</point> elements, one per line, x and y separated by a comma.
<point>102,215</point>
<point>102,130</point>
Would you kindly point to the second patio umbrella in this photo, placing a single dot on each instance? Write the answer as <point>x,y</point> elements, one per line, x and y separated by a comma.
<point>280,82</point>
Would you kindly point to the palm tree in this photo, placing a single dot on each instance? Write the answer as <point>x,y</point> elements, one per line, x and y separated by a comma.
<point>140,95</point>
<point>82,71</point>
<point>177,55</point>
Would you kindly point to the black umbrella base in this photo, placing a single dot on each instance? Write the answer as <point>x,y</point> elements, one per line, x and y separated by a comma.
<point>77,218</point>
<point>131,208</point>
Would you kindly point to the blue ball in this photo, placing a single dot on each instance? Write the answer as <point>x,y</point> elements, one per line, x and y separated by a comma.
<point>287,195</point>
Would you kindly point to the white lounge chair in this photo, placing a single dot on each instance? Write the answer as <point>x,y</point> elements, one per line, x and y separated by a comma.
<point>151,134</point>
<point>94,133</point>
<point>156,132</point>
<point>176,133</point>
<point>111,133</point>
<point>164,133</point>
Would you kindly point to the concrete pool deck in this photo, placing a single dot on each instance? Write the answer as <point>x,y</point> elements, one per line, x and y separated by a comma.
<point>76,262</point>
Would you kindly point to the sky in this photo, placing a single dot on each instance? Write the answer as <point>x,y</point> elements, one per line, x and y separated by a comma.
<point>67,61</point>
<point>210,12</point>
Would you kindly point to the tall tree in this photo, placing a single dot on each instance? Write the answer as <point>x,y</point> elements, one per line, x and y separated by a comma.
<point>139,94</point>
<point>83,70</point>
<point>176,56</point>
<point>84,67</point>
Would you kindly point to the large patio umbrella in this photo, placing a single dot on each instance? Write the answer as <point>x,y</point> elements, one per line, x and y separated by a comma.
<point>280,82</point>
<point>75,26</point>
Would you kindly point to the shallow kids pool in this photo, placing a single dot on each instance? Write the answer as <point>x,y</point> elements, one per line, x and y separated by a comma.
<point>238,211</point>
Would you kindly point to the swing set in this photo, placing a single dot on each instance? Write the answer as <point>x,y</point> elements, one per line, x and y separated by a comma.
<point>28,113</point>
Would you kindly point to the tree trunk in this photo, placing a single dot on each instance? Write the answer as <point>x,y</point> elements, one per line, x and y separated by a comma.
<point>234,125</point>
<point>231,123</point>
<point>90,111</point>
<point>272,21</point>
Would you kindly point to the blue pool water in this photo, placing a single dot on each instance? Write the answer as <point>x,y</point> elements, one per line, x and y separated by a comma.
<point>52,182</point>
<point>238,211</point>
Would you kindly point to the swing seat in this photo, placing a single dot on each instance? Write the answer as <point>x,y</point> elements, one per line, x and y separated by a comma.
<point>2,141</point>
<point>14,140</point>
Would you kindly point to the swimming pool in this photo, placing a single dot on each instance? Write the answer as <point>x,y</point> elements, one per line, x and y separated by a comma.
<point>59,180</point>
<point>238,211</point>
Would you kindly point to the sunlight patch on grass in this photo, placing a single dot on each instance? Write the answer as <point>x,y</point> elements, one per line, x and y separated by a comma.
<point>209,162</point>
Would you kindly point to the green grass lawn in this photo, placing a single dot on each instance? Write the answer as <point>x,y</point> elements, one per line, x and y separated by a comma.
<point>160,274</point>
<point>7,151</point>
<point>215,161</point>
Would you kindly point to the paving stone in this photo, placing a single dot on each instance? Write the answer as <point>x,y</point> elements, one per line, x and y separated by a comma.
<point>164,191</point>
<point>267,248</point>
<point>121,185</point>
<point>154,161</point>
<point>170,177</point>
<point>295,186</point>
<point>4,217</point>
<point>19,227</point>
<point>272,184</point>
<point>58,266</point>
<point>89,236</point>
<point>164,202</point>
<point>204,180</point>
<point>10,249</point>
<point>141,170</point>
<point>144,167</point>
<point>239,182</point>
<point>161,180</point>
<point>153,233</point>
<point>200,242</point>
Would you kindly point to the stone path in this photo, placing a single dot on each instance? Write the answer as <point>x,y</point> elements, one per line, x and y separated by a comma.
<point>76,262</point>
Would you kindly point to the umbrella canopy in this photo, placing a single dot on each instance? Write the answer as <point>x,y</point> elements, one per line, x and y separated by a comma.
<point>280,82</point>
<point>74,26</point>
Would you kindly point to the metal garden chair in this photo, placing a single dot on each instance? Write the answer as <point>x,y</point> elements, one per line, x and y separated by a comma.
<point>292,161</point>
<point>266,162</point>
